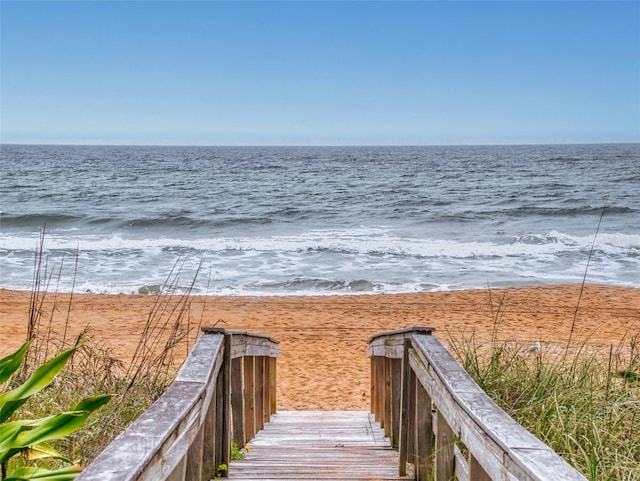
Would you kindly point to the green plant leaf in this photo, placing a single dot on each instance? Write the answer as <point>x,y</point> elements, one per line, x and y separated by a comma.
<point>28,473</point>
<point>41,378</point>
<point>10,430</point>
<point>9,408</point>
<point>44,451</point>
<point>62,424</point>
<point>8,435</point>
<point>58,427</point>
<point>92,403</point>
<point>19,435</point>
<point>11,363</point>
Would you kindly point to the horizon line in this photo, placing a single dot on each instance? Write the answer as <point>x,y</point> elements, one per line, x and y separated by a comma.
<point>507,144</point>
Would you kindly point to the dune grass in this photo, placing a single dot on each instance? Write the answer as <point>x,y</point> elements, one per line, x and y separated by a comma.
<point>93,369</point>
<point>582,402</point>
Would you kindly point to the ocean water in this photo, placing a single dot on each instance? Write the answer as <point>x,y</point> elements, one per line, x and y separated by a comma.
<point>319,220</point>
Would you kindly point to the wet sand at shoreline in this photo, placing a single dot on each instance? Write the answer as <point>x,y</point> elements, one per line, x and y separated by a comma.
<point>324,338</point>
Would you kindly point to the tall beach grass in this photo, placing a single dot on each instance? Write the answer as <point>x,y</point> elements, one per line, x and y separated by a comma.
<point>133,384</point>
<point>583,402</point>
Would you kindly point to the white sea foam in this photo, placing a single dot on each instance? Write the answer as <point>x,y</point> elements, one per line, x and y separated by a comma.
<point>358,241</point>
<point>356,260</point>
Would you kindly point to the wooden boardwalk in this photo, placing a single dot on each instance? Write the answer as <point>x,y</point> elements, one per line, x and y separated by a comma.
<point>443,423</point>
<point>334,445</point>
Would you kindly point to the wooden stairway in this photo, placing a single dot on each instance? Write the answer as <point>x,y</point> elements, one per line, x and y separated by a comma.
<point>333,445</point>
<point>424,397</point>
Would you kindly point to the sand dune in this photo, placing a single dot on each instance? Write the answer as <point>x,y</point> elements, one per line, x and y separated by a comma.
<point>324,338</point>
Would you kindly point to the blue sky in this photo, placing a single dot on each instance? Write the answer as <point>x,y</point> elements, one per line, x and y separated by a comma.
<point>319,73</point>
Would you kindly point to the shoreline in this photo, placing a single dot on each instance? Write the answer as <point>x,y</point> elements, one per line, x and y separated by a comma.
<point>324,338</point>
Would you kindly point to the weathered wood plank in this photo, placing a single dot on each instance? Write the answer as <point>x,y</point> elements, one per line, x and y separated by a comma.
<point>386,424</point>
<point>178,473</point>
<point>220,424</point>
<point>380,401</point>
<point>209,442</point>
<point>396,391</point>
<point>424,434</point>
<point>266,391</point>
<point>258,380</point>
<point>315,477</point>
<point>273,403</point>
<point>390,344</point>
<point>411,415</point>
<point>194,459</point>
<point>200,365</point>
<point>237,401</point>
<point>405,405</point>
<point>476,473</point>
<point>372,387</point>
<point>225,421</point>
<point>249,398</point>
<point>319,445</point>
<point>462,468</point>
<point>445,457</point>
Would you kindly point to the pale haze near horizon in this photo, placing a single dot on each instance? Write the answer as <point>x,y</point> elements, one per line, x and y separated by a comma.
<point>319,73</point>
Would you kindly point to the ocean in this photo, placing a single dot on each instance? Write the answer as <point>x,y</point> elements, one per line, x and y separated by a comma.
<point>319,220</point>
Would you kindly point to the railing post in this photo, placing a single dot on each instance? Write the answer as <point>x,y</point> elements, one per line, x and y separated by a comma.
<point>273,405</point>
<point>476,473</point>
<point>249,398</point>
<point>209,443</point>
<point>372,388</point>
<point>380,390</point>
<point>223,413</point>
<point>405,395</point>
<point>178,472</point>
<point>445,452</point>
<point>396,390</point>
<point>387,397</point>
<point>237,401</point>
<point>226,370</point>
<point>195,458</point>
<point>411,418</point>
<point>259,393</point>
<point>424,434</point>
<point>266,391</point>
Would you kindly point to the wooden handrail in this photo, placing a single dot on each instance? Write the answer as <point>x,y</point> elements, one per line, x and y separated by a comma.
<point>443,423</point>
<point>186,434</point>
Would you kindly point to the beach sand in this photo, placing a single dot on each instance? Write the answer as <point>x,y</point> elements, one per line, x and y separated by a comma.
<point>324,338</point>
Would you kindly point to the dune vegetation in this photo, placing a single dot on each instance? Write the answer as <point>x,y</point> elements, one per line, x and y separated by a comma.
<point>582,402</point>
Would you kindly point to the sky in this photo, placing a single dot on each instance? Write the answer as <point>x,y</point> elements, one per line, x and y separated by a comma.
<point>319,73</point>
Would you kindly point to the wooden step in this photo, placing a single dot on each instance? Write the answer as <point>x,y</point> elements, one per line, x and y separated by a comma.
<point>332,445</point>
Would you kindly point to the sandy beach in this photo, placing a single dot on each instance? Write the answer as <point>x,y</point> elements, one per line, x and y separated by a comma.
<point>324,338</point>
